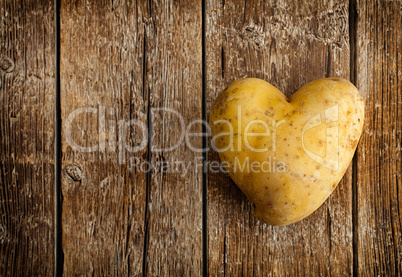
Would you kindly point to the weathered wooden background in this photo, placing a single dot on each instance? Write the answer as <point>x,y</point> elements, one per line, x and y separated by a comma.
<point>121,59</point>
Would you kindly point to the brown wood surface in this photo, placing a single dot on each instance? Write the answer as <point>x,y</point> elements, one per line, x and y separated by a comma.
<point>103,206</point>
<point>123,59</point>
<point>26,132</point>
<point>174,81</point>
<point>118,219</point>
<point>378,229</point>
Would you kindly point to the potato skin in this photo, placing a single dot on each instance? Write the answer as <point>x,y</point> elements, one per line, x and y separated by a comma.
<point>253,122</point>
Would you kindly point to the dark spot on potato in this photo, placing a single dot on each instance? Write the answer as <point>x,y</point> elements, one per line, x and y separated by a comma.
<point>269,203</point>
<point>318,167</point>
<point>266,187</point>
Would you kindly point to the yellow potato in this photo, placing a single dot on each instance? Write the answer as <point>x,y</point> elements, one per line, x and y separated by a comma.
<point>287,155</point>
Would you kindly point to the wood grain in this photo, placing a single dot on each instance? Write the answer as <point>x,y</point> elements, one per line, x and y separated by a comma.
<point>27,135</point>
<point>121,60</point>
<point>288,44</point>
<point>102,67</point>
<point>119,218</point>
<point>378,159</point>
<point>174,82</point>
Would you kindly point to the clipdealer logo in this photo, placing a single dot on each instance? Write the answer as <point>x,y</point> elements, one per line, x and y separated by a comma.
<point>111,135</point>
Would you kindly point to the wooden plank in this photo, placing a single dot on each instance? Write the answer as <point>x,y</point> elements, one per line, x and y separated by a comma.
<point>288,44</point>
<point>174,81</point>
<point>102,67</point>
<point>378,161</point>
<point>27,137</point>
<point>132,58</point>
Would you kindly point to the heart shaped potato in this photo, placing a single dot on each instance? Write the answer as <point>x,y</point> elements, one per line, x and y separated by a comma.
<point>287,155</point>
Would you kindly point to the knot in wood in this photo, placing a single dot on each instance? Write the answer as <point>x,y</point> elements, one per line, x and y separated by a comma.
<point>6,64</point>
<point>74,172</point>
